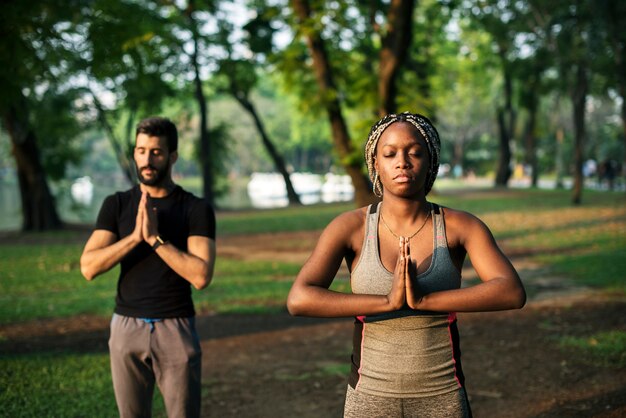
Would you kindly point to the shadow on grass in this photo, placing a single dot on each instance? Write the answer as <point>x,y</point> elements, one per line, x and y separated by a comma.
<point>49,337</point>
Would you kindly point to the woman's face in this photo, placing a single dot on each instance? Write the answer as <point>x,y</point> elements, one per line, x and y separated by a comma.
<point>402,160</point>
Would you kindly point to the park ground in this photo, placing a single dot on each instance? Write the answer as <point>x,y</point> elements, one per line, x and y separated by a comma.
<point>274,365</point>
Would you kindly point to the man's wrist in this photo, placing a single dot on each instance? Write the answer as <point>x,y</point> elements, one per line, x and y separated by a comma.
<point>158,241</point>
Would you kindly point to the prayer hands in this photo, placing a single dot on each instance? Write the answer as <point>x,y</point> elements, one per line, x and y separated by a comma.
<point>146,223</point>
<point>403,292</point>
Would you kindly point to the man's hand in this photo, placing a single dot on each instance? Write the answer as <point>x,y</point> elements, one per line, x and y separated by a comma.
<point>137,234</point>
<point>149,222</point>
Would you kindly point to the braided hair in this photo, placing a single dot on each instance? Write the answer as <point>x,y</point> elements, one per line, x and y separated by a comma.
<point>425,128</point>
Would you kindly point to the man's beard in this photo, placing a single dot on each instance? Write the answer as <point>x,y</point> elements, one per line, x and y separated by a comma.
<point>159,175</point>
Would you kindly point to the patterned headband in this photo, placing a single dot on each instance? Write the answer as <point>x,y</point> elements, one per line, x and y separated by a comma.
<point>425,128</point>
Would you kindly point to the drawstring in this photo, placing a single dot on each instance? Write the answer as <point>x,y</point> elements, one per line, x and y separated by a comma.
<point>151,321</point>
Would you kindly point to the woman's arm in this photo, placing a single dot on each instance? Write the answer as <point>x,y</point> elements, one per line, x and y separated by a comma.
<point>501,287</point>
<point>310,296</point>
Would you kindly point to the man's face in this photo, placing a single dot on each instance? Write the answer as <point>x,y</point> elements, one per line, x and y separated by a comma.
<point>152,159</point>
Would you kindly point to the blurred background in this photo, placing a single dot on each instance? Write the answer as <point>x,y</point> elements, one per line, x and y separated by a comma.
<point>274,99</point>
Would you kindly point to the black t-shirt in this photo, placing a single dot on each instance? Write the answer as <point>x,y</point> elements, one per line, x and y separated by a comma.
<point>147,287</point>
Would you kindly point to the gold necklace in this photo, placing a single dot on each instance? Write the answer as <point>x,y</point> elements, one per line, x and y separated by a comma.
<point>415,233</point>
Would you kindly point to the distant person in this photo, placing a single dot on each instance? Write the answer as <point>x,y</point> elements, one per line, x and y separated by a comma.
<point>405,256</point>
<point>164,239</point>
<point>608,171</point>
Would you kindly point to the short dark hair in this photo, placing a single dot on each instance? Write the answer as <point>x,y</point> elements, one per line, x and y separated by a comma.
<point>161,127</point>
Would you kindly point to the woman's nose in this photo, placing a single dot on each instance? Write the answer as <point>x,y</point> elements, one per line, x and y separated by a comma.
<point>402,160</point>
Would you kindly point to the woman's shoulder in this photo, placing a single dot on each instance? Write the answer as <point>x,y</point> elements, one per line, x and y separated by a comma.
<point>461,224</point>
<point>347,228</point>
<point>460,219</point>
<point>351,219</point>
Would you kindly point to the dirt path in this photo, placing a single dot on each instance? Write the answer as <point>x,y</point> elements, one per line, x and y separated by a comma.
<point>512,363</point>
<point>279,366</point>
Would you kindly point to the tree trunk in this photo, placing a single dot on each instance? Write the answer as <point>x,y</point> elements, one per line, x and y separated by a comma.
<point>560,140</point>
<point>579,99</point>
<point>38,206</point>
<point>531,142</point>
<point>205,140</point>
<point>623,90</point>
<point>506,125</point>
<point>341,138</point>
<point>279,163</point>
<point>393,53</point>
<point>503,171</point>
<point>615,22</point>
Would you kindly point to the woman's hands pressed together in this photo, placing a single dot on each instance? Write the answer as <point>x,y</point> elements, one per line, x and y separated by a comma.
<point>403,290</point>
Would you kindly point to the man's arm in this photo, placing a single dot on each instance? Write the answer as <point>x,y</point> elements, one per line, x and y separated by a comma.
<point>102,252</point>
<point>196,265</point>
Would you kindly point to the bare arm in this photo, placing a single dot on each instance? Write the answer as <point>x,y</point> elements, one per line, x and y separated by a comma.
<point>501,287</point>
<point>102,252</point>
<point>310,296</point>
<point>196,265</point>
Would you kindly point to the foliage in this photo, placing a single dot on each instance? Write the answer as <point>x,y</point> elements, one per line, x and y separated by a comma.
<point>56,56</point>
<point>58,128</point>
<point>37,61</point>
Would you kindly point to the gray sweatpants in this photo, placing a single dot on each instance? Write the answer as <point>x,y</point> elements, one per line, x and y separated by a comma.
<point>166,352</point>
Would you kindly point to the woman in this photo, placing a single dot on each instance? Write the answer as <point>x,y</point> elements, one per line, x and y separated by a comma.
<point>405,274</point>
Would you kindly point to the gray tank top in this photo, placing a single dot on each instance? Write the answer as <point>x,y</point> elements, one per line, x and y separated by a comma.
<point>405,353</point>
<point>371,277</point>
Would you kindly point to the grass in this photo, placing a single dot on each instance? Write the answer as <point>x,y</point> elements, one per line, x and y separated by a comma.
<point>605,348</point>
<point>62,384</point>
<point>42,280</point>
<point>303,218</point>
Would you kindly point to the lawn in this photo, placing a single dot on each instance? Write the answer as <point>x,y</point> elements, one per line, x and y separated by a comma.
<point>40,280</point>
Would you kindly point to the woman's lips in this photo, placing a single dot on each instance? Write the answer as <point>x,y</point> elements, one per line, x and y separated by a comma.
<point>402,178</point>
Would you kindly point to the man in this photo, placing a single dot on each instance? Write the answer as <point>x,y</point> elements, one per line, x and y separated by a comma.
<point>164,240</point>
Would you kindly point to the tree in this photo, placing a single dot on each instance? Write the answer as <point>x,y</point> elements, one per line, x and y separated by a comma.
<point>395,37</point>
<point>504,21</point>
<point>128,63</point>
<point>611,15</point>
<point>241,77</point>
<point>395,46</point>
<point>36,58</point>
<point>330,96</point>
<point>205,140</point>
<point>575,37</point>
<point>531,70</point>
